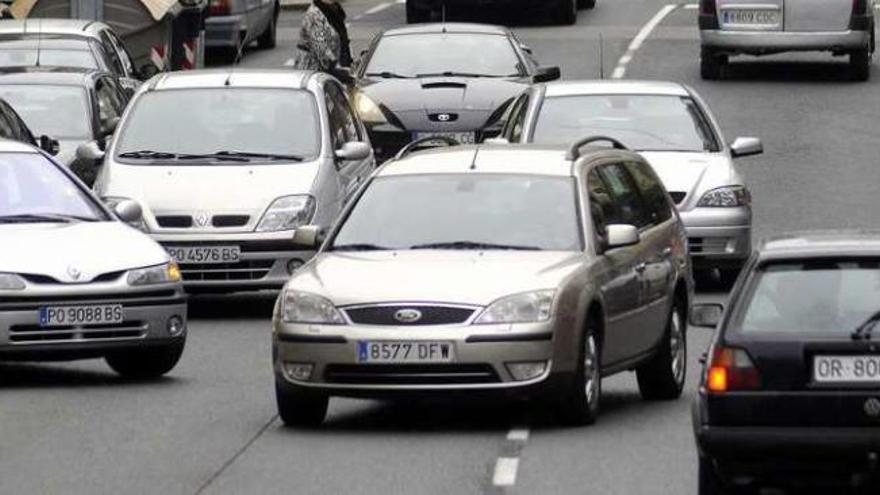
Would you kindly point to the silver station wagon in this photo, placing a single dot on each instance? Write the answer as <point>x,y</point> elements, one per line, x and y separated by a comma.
<point>518,271</point>
<point>75,281</point>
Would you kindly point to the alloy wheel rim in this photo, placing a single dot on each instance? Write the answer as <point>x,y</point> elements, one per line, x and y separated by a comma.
<point>591,370</point>
<point>676,346</point>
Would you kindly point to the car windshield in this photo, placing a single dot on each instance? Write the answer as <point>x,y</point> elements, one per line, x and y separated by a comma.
<point>413,55</point>
<point>57,111</point>
<point>812,297</point>
<point>241,121</point>
<point>50,58</point>
<point>33,189</point>
<point>464,211</point>
<point>641,122</point>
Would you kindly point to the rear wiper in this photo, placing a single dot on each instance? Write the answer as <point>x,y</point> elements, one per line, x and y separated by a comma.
<point>360,247</point>
<point>269,156</point>
<point>473,245</point>
<point>863,331</point>
<point>44,217</point>
<point>388,75</point>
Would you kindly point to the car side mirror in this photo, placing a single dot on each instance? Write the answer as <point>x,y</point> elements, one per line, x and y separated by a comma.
<point>129,211</point>
<point>621,235</point>
<point>307,236</point>
<point>49,145</point>
<point>147,71</point>
<point>547,74</point>
<point>746,146</point>
<point>706,315</point>
<point>108,127</point>
<point>496,140</point>
<point>89,152</point>
<point>353,150</point>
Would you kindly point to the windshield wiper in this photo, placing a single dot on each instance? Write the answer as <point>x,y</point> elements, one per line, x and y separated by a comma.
<point>863,331</point>
<point>450,73</point>
<point>388,75</point>
<point>166,155</point>
<point>269,156</point>
<point>221,156</point>
<point>473,245</point>
<point>44,217</point>
<point>148,155</point>
<point>360,247</point>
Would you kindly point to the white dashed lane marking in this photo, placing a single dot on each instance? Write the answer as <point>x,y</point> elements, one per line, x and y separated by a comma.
<point>507,463</point>
<point>505,472</point>
<point>379,8</point>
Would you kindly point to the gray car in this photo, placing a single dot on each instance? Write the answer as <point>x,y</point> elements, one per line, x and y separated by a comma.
<point>500,271</point>
<point>224,184</point>
<point>673,128</point>
<point>75,281</point>
<point>746,27</point>
<point>233,24</point>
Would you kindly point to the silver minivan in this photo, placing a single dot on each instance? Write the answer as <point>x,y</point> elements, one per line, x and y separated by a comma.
<point>227,164</point>
<point>734,27</point>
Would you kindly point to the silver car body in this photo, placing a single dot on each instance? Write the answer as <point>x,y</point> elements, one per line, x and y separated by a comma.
<point>80,264</point>
<point>635,304</point>
<point>246,20</point>
<point>718,237</point>
<point>202,193</point>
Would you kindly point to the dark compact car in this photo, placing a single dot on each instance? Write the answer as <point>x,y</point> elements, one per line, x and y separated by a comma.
<point>562,11</point>
<point>791,386</point>
<point>452,80</point>
<point>74,107</point>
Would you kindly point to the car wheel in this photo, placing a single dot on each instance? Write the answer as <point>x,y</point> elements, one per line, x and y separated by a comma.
<point>150,362</point>
<point>299,408</point>
<point>711,64</point>
<point>586,4</point>
<point>269,38</point>
<point>416,15</point>
<point>580,404</point>
<point>709,483</point>
<point>662,378</point>
<point>860,65</point>
<point>566,12</point>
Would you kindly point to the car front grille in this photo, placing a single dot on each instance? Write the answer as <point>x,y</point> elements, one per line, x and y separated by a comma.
<point>174,221</point>
<point>707,245</point>
<point>230,220</point>
<point>413,374</point>
<point>30,334</point>
<point>243,270</point>
<point>677,196</point>
<point>430,315</point>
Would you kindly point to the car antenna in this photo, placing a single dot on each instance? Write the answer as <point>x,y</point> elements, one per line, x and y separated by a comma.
<point>601,58</point>
<point>238,53</point>
<point>39,40</point>
<point>474,161</point>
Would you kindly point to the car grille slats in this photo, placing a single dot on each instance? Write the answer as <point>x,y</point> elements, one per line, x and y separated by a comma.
<point>243,270</point>
<point>430,315</point>
<point>422,374</point>
<point>29,333</point>
<point>230,220</point>
<point>707,245</point>
<point>174,221</point>
<point>128,299</point>
<point>186,221</point>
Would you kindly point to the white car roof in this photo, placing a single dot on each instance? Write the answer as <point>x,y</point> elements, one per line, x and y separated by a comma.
<point>606,87</point>
<point>493,159</point>
<point>66,27</point>
<point>234,78</point>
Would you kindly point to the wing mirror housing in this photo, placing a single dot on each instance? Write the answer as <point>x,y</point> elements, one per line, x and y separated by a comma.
<point>353,150</point>
<point>49,145</point>
<point>129,211</point>
<point>547,74</point>
<point>706,315</point>
<point>746,146</point>
<point>308,236</point>
<point>621,235</point>
<point>90,152</point>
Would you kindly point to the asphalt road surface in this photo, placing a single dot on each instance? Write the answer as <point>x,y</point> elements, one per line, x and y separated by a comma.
<point>211,425</point>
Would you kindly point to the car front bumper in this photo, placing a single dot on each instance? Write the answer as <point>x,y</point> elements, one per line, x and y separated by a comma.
<point>718,237</point>
<point>224,31</point>
<point>768,42</point>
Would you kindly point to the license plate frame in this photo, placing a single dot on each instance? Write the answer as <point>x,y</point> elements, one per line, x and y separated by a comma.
<point>205,255</point>
<point>461,137</point>
<point>751,18</point>
<point>405,352</point>
<point>859,369</point>
<point>81,314</point>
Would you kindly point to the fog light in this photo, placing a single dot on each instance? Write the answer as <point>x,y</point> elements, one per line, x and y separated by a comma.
<point>293,265</point>
<point>299,372</point>
<point>176,326</point>
<point>526,370</point>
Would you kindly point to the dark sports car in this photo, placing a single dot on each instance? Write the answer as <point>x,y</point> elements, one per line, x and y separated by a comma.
<point>453,80</point>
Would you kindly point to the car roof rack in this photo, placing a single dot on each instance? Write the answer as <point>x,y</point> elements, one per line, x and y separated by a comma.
<point>574,151</point>
<point>418,143</point>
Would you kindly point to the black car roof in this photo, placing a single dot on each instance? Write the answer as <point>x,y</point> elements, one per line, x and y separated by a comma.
<point>447,27</point>
<point>816,244</point>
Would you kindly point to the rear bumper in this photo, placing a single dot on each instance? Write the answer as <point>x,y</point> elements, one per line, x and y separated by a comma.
<point>752,443</point>
<point>224,31</point>
<point>767,42</point>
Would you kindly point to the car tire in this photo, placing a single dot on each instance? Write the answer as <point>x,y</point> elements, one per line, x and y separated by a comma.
<point>149,362</point>
<point>579,404</point>
<point>860,65</point>
<point>269,38</point>
<point>662,378</point>
<point>711,64</point>
<point>415,15</point>
<point>708,481</point>
<point>300,408</point>
<point>566,12</point>
<point>586,4</point>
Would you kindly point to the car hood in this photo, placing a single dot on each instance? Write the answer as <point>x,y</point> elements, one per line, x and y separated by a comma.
<point>692,173</point>
<point>460,277</point>
<point>470,100</point>
<point>91,248</point>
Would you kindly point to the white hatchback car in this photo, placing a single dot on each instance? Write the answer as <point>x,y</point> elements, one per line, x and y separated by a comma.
<point>227,164</point>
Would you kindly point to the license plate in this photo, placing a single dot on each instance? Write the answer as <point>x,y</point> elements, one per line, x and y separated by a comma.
<point>204,254</point>
<point>846,369</point>
<point>753,17</point>
<point>461,137</point>
<point>405,352</point>
<point>80,315</point>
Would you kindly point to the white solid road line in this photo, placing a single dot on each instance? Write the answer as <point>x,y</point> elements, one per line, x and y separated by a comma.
<point>640,38</point>
<point>505,471</point>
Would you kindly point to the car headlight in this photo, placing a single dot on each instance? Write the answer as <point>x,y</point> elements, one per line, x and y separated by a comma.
<point>368,110</point>
<point>527,307</point>
<point>287,213</point>
<point>11,281</point>
<point>151,275</point>
<point>305,307</point>
<point>726,196</point>
<point>111,202</point>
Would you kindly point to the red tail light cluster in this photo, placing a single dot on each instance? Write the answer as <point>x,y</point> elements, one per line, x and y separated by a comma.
<point>707,7</point>
<point>220,7</point>
<point>731,369</point>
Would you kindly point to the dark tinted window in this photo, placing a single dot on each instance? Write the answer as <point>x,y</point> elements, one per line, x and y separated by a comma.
<point>601,203</point>
<point>435,53</point>
<point>627,203</point>
<point>343,125</point>
<point>653,194</point>
<point>518,119</point>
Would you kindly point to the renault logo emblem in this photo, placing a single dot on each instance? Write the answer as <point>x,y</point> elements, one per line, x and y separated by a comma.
<point>872,407</point>
<point>202,218</point>
<point>74,272</point>
<point>443,117</point>
<point>410,315</point>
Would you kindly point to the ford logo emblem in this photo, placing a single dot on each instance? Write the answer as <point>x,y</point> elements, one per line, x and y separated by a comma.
<point>410,315</point>
<point>872,407</point>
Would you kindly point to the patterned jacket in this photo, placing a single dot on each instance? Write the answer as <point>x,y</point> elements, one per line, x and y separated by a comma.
<point>319,44</point>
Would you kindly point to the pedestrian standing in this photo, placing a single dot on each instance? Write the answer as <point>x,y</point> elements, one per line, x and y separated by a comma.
<point>323,40</point>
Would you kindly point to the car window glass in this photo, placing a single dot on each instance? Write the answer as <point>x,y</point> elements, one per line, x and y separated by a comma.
<point>58,111</point>
<point>601,203</point>
<point>122,52</point>
<point>112,56</point>
<point>6,129</point>
<point>653,194</point>
<point>628,208</point>
<point>346,114</point>
<point>519,121</point>
<point>107,108</point>
<point>24,180</point>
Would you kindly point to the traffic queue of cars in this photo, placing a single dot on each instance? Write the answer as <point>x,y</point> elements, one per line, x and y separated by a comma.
<point>546,240</point>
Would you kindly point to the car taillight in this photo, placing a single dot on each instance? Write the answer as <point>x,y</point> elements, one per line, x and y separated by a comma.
<point>860,7</point>
<point>220,7</point>
<point>707,7</point>
<point>731,369</point>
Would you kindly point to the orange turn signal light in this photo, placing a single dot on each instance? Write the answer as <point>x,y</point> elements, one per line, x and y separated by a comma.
<point>717,379</point>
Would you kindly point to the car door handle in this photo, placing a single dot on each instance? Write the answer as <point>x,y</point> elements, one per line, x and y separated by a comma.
<point>641,267</point>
